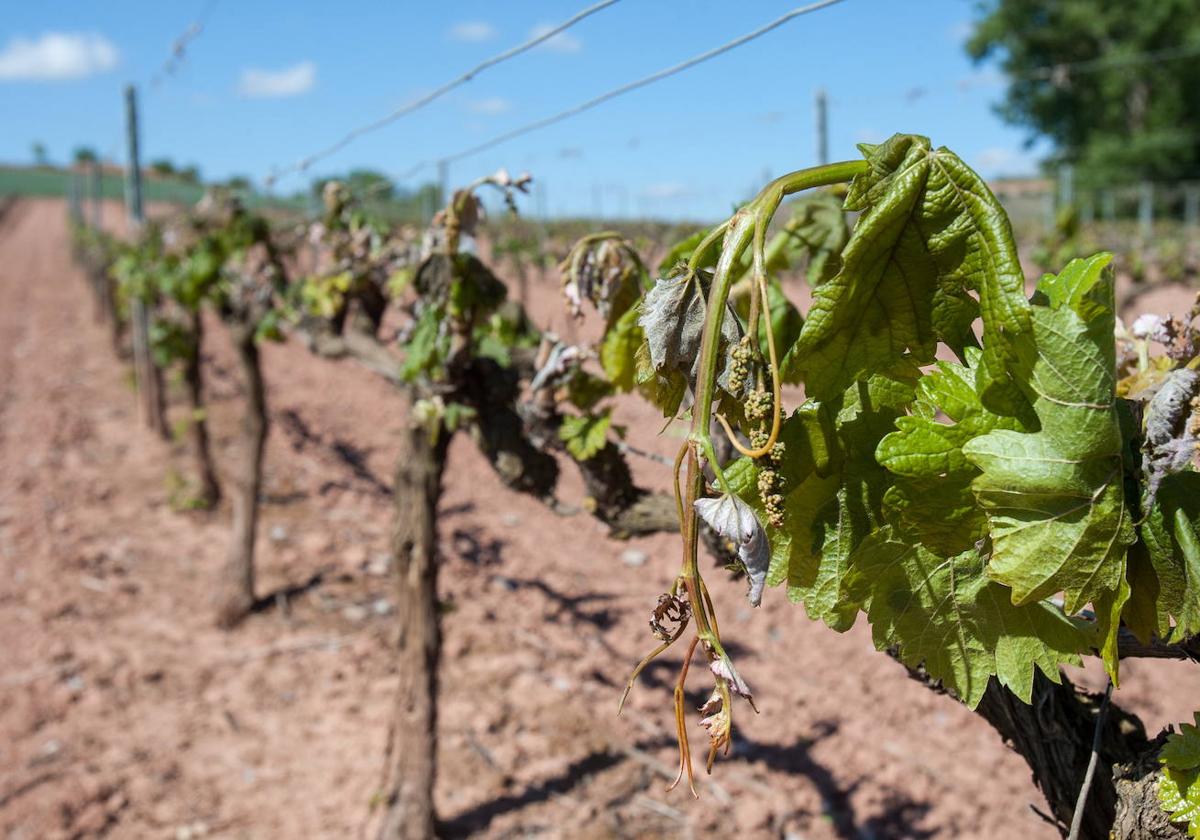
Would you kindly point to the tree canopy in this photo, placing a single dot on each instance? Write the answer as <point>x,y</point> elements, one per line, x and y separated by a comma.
<point>1113,85</point>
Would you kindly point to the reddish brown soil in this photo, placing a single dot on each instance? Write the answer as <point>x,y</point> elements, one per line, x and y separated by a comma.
<point>125,713</point>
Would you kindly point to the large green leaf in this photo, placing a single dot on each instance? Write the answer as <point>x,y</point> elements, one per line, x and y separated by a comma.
<point>929,233</point>
<point>931,500</point>
<point>946,613</point>
<point>833,490</point>
<point>1055,496</point>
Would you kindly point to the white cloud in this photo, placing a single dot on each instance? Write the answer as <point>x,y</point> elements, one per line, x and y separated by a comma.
<point>57,55</point>
<point>1000,160</point>
<point>472,31</point>
<point>275,84</point>
<point>563,42</point>
<point>666,191</point>
<point>491,106</point>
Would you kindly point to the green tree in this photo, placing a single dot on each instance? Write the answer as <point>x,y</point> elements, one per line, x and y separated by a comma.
<point>1113,85</point>
<point>85,154</point>
<point>40,157</point>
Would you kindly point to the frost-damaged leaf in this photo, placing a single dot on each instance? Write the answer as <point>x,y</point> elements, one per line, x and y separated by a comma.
<point>585,434</point>
<point>1166,579</point>
<point>931,501</point>
<point>930,231</point>
<point>722,667</point>
<point>1170,439</point>
<point>1055,497</point>
<point>946,613</point>
<point>734,520</point>
<point>1179,787</point>
<point>672,317</point>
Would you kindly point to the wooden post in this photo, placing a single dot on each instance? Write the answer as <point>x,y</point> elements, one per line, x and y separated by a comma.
<point>822,127</point>
<point>146,375</point>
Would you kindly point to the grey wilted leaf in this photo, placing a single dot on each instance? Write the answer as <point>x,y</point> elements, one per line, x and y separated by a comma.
<point>735,520</point>
<point>672,318</point>
<point>1170,443</point>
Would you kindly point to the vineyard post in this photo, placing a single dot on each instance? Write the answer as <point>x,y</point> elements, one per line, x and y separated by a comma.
<point>73,198</point>
<point>146,375</point>
<point>1191,213</point>
<point>1066,185</point>
<point>443,168</point>
<point>1145,212</point>
<point>97,190</point>
<point>822,127</point>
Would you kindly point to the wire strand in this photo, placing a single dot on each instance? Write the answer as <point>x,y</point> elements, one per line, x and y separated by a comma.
<point>623,89</point>
<point>458,81</point>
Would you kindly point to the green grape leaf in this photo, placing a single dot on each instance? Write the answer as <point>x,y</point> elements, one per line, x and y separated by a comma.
<point>585,434</point>
<point>1055,497</point>
<point>427,345</point>
<point>818,228</point>
<point>930,231</point>
<point>665,390</point>
<point>618,350</point>
<point>946,613</point>
<point>931,501</point>
<point>1179,787</point>
<point>1168,574</point>
<point>833,491</point>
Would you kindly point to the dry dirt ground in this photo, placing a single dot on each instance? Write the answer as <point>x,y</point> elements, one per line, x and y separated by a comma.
<point>125,713</point>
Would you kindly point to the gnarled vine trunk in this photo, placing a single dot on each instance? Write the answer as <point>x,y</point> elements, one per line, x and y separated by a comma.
<point>235,590</point>
<point>208,492</point>
<point>409,795</point>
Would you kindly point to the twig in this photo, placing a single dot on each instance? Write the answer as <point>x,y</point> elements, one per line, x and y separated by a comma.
<point>1077,819</point>
<point>626,449</point>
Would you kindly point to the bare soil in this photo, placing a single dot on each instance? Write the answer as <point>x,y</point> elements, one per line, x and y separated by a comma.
<point>125,713</point>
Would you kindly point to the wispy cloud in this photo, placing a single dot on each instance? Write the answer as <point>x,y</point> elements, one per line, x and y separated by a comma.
<point>56,56</point>
<point>666,191</point>
<point>1001,160</point>
<point>563,42</point>
<point>491,106</point>
<point>276,84</point>
<point>472,31</point>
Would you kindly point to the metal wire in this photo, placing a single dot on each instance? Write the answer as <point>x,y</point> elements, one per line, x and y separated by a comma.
<point>458,81</point>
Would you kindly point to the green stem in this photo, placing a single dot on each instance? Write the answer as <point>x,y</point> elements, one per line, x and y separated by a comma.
<point>739,231</point>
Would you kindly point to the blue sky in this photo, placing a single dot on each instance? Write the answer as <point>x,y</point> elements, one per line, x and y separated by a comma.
<point>267,83</point>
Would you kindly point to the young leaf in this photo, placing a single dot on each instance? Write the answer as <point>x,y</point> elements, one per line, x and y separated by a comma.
<point>946,613</point>
<point>1055,497</point>
<point>833,491</point>
<point>734,520</point>
<point>585,434</point>
<point>1169,574</point>
<point>929,232</point>
<point>931,501</point>
<point>618,350</point>
<point>1179,787</point>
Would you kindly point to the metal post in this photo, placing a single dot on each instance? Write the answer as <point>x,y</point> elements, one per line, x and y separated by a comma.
<point>146,375</point>
<point>1146,211</point>
<point>822,127</point>
<point>1066,185</point>
<point>1191,207</point>
<point>73,198</point>
<point>97,179</point>
<point>444,181</point>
